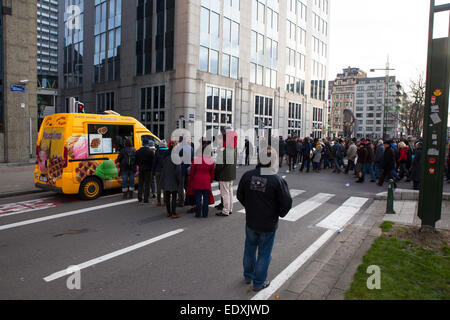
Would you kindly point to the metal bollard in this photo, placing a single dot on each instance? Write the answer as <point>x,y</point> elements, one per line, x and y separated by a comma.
<point>390,198</point>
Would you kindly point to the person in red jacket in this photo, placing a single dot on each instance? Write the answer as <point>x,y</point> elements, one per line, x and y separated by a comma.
<point>402,160</point>
<point>201,177</point>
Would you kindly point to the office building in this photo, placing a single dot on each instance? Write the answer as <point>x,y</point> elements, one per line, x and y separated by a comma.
<point>342,98</point>
<point>253,64</point>
<point>47,56</point>
<point>372,99</point>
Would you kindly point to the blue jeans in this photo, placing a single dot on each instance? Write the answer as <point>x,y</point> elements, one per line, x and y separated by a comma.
<point>128,180</point>
<point>257,269</point>
<point>316,166</point>
<point>395,174</point>
<point>201,208</point>
<point>368,167</point>
<point>337,164</point>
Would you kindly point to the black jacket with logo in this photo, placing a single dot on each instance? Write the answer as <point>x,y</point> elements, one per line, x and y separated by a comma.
<point>266,198</point>
<point>145,158</point>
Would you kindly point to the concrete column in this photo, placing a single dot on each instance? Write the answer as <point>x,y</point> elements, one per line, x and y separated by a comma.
<point>20,63</point>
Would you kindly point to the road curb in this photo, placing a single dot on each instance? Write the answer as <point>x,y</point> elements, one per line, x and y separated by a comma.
<point>402,194</point>
<point>20,193</point>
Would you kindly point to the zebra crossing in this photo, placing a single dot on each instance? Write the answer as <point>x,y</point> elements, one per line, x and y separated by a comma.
<point>302,207</point>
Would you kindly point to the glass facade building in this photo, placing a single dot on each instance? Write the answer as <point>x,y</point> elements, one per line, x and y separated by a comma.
<point>225,63</point>
<point>73,58</point>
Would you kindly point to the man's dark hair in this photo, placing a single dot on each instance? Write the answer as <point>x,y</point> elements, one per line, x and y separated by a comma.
<point>128,143</point>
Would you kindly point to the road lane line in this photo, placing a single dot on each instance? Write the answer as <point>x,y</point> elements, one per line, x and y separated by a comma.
<point>308,206</point>
<point>112,255</point>
<point>339,218</point>
<point>294,194</point>
<point>287,273</point>
<point>62,215</point>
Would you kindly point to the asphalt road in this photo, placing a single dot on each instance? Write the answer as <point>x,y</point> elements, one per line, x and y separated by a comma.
<point>202,259</point>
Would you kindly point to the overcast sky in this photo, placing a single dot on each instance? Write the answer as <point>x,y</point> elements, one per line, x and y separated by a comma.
<point>364,32</point>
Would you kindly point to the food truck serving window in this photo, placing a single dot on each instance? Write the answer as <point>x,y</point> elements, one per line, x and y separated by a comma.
<point>108,139</point>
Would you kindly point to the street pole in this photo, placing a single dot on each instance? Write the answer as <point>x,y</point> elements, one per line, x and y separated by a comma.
<point>435,125</point>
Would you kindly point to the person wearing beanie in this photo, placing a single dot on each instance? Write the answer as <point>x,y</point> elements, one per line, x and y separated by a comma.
<point>152,148</point>
<point>160,155</point>
<point>317,156</point>
<point>169,182</point>
<point>127,164</point>
<point>144,159</point>
<point>388,163</point>
<point>416,167</point>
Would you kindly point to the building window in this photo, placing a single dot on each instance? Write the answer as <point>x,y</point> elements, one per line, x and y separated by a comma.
<point>73,48</point>
<point>212,60</point>
<point>105,101</point>
<point>155,46</point>
<point>295,119</point>
<point>152,109</point>
<point>108,39</point>
<point>219,110</point>
<point>264,109</point>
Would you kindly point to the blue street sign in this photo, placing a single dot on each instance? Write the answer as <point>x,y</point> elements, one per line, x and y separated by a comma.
<point>16,88</point>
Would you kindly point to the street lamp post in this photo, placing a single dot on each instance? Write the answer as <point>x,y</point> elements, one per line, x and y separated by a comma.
<point>386,96</point>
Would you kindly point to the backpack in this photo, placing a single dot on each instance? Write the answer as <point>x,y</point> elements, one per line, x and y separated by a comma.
<point>129,159</point>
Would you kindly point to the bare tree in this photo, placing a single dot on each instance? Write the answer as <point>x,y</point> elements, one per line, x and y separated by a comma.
<point>410,112</point>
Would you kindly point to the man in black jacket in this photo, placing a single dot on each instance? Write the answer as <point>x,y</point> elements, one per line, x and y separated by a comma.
<point>266,198</point>
<point>144,159</point>
<point>389,162</point>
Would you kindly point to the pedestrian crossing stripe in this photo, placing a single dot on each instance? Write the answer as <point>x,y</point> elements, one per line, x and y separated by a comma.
<point>294,194</point>
<point>308,206</point>
<point>342,215</point>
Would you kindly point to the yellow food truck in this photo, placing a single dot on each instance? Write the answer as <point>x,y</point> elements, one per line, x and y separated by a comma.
<point>76,153</point>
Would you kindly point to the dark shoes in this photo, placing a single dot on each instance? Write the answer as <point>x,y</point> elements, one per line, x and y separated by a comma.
<point>265,285</point>
<point>220,214</point>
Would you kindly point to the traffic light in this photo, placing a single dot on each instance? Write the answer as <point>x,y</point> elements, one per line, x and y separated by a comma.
<point>80,107</point>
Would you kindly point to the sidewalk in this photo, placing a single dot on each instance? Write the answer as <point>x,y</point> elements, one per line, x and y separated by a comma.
<point>329,274</point>
<point>17,179</point>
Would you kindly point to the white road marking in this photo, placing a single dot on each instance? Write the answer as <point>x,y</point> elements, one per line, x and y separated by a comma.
<point>294,194</point>
<point>307,207</point>
<point>112,255</point>
<point>62,215</point>
<point>287,273</point>
<point>342,215</point>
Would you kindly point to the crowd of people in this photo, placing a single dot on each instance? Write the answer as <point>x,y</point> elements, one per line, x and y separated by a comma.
<point>378,160</point>
<point>266,197</point>
<point>188,183</point>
